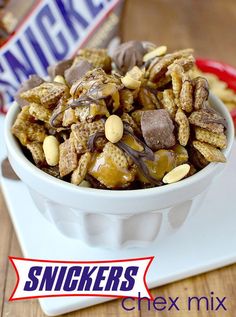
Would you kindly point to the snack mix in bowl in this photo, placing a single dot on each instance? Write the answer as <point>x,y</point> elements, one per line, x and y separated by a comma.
<point>133,120</point>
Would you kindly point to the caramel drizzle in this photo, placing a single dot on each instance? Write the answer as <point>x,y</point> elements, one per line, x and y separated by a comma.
<point>136,156</point>
<point>147,152</point>
<point>85,100</point>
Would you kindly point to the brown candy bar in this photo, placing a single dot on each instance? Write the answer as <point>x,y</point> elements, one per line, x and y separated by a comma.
<point>59,68</point>
<point>128,55</point>
<point>157,128</point>
<point>75,72</point>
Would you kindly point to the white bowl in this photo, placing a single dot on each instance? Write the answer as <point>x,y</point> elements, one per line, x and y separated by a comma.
<point>111,218</point>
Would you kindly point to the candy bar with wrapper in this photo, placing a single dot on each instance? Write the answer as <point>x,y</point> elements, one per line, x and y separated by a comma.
<point>37,34</point>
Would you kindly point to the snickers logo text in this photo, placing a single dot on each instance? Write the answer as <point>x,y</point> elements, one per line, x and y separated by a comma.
<point>41,278</point>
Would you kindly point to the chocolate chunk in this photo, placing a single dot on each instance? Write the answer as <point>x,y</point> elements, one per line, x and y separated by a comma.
<point>76,71</point>
<point>157,128</point>
<point>32,82</point>
<point>128,55</point>
<point>59,68</point>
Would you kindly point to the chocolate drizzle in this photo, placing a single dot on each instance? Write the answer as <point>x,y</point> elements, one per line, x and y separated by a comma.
<point>147,152</point>
<point>93,138</point>
<point>84,101</point>
<point>136,156</point>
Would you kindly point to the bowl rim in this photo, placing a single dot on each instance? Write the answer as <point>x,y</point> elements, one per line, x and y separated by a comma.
<point>14,148</point>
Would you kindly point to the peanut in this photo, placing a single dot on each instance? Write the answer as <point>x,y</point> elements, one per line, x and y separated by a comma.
<point>161,50</point>
<point>51,150</point>
<point>130,82</point>
<point>114,128</point>
<point>132,79</point>
<point>59,79</point>
<point>176,174</point>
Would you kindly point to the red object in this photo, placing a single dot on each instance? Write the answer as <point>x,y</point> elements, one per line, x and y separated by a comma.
<point>233,114</point>
<point>223,71</point>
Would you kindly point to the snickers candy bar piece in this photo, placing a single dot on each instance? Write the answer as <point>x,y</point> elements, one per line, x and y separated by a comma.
<point>76,71</point>
<point>128,55</point>
<point>59,68</point>
<point>157,129</point>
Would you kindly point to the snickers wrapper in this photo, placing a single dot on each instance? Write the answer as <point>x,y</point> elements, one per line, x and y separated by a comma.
<point>41,33</point>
